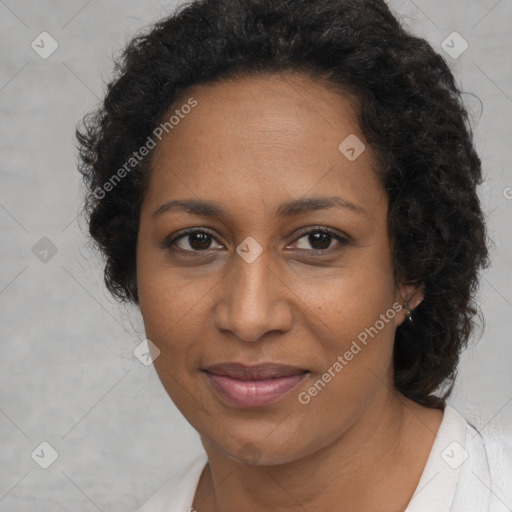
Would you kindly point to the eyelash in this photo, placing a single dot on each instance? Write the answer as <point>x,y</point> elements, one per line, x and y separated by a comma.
<point>343,240</point>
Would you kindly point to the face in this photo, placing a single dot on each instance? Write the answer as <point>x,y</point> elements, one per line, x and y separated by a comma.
<point>289,262</point>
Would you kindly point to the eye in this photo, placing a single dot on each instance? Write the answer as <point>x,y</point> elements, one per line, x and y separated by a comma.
<point>321,240</point>
<point>192,240</point>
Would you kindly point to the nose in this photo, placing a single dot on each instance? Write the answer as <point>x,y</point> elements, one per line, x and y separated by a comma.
<point>254,300</point>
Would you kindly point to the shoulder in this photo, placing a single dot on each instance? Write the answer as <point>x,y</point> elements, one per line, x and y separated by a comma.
<point>178,492</point>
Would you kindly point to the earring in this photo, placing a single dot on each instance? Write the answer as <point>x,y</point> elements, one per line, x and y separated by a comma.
<point>409,315</point>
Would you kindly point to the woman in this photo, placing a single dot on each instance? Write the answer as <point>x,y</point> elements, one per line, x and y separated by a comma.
<point>287,190</point>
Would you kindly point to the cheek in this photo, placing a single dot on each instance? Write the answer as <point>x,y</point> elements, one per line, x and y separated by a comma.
<point>176,322</point>
<point>357,356</point>
<point>174,319</point>
<point>355,320</point>
<point>166,308</point>
<point>168,301</point>
<point>354,298</point>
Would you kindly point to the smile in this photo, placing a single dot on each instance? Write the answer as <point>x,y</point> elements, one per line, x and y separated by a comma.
<point>254,392</point>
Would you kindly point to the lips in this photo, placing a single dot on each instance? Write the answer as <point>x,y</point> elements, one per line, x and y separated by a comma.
<point>256,372</point>
<point>253,386</point>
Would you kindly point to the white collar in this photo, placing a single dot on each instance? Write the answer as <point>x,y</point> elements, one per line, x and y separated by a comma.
<point>438,482</point>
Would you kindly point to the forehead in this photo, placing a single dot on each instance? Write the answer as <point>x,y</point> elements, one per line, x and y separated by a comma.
<point>260,136</point>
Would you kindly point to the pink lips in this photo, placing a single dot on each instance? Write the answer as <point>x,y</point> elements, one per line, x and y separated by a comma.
<point>253,386</point>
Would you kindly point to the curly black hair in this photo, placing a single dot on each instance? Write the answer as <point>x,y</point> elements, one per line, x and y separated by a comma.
<point>410,111</point>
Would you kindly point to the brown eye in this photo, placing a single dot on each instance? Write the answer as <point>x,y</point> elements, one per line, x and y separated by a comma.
<point>199,241</point>
<point>319,240</point>
<point>191,241</point>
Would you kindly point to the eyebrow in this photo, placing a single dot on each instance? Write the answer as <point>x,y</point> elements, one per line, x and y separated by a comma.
<point>206,208</point>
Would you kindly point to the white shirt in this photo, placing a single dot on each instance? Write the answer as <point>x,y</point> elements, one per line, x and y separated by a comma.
<point>465,472</point>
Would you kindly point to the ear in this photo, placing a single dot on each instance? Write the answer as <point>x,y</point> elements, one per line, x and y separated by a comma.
<point>412,296</point>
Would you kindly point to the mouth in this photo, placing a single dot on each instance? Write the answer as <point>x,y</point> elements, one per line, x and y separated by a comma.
<point>254,386</point>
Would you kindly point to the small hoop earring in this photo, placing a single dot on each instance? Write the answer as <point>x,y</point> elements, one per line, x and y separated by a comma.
<point>409,314</point>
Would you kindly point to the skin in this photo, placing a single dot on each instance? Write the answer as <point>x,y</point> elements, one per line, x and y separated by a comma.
<point>250,145</point>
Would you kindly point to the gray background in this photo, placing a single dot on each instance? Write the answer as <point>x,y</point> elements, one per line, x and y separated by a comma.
<point>68,375</point>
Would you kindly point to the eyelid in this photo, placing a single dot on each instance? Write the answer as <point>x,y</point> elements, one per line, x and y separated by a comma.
<point>172,239</point>
<point>313,229</point>
<point>342,238</point>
